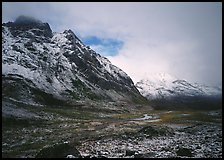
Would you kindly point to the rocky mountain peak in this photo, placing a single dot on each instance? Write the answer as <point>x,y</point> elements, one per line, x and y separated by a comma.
<point>59,65</point>
<point>70,35</point>
<point>25,23</point>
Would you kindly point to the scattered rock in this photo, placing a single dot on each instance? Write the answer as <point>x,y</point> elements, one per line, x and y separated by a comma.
<point>138,145</point>
<point>59,151</point>
<point>101,156</point>
<point>184,152</point>
<point>150,131</point>
<point>70,156</point>
<point>88,156</point>
<point>166,149</point>
<point>129,153</point>
<point>145,155</point>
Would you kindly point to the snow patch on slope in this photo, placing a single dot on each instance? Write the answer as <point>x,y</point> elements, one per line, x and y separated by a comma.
<point>110,68</point>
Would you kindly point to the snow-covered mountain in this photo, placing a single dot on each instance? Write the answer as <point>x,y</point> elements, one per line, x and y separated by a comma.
<point>165,86</point>
<point>37,63</point>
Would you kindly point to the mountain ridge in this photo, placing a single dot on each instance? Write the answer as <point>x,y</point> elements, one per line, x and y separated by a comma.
<point>166,91</point>
<point>59,64</point>
<point>164,85</point>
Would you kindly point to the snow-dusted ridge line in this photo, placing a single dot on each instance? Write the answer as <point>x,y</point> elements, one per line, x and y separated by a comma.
<point>164,86</point>
<point>59,63</point>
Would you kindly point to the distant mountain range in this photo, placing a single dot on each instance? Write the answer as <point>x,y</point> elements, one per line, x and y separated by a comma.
<point>163,87</point>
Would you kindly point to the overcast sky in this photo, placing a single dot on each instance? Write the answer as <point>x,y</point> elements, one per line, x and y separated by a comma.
<point>182,39</point>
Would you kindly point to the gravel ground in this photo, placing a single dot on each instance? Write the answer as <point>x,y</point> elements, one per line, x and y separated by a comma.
<point>199,141</point>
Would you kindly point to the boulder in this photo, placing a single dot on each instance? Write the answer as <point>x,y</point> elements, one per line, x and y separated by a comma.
<point>62,150</point>
<point>184,152</point>
<point>129,153</point>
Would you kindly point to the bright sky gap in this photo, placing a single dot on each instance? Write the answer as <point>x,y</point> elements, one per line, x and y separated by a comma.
<point>106,47</point>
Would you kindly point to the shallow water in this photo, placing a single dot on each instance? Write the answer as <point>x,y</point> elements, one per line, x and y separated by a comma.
<point>148,118</point>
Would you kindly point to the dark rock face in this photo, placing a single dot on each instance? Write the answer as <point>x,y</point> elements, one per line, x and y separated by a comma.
<point>24,23</point>
<point>89,65</point>
<point>146,155</point>
<point>184,152</point>
<point>59,151</point>
<point>130,153</point>
<point>150,131</point>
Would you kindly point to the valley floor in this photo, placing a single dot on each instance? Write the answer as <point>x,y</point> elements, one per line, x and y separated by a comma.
<point>115,133</point>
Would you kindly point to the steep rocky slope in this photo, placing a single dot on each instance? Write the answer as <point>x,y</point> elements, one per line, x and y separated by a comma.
<point>40,66</point>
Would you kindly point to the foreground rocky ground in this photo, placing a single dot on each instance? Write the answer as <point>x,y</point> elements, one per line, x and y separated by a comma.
<point>92,132</point>
<point>198,140</point>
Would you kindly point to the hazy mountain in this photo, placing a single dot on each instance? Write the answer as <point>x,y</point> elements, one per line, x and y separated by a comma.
<point>169,90</point>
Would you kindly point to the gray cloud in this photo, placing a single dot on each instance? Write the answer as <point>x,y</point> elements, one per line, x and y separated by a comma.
<point>183,39</point>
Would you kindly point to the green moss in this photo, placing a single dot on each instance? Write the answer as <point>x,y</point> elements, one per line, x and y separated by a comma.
<point>139,100</point>
<point>70,113</point>
<point>16,152</point>
<point>177,117</point>
<point>93,96</point>
<point>47,98</point>
<point>12,121</point>
<point>83,91</point>
<point>16,122</point>
<point>184,152</point>
<point>77,83</point>
<point>154,131</point>
<point>127,116</point>
<point>73,94</point>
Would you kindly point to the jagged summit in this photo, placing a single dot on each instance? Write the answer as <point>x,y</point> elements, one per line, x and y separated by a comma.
<point>70,35</point>
<point>25,23</point>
